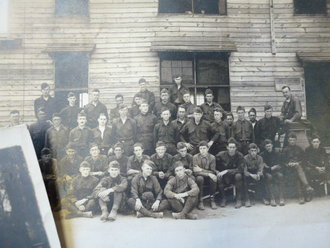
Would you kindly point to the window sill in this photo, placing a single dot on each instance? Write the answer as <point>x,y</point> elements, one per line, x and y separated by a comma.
<point>189,14</point>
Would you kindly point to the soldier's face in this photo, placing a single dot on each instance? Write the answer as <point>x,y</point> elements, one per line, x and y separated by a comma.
<point>143,86</point>
<point>186,97</point>
<point>138,151</point>
<point>292,141</point>
<point>203,150</point>
<point>183,152</point>
<point>161,151</point>
<point>119,101</point>
<point>14,118</point>
<point>85,171</point>
<point>70,152</point>
<point>137,100</point>
<point>123,112</point>
<point>82,120</point>
<point>180,171</point>
<point>166,115</point>
<point>164,97</point>
<point>144,108</point>
<point>316,143</point>
<point>118,151</point>
<point>114,172</point>
<point>72,100</point>
<point>178,80</point>
<point>241,114</point>
<point>252,116</point>
<point>41,116</point>
<point>102,120</point>
<point>209,98</point>
<point>45,91</point>
<point>253,152</point>
<point>269,147</point>
<point>229,119</point>
<point>56,121</point>
<point>231,148</point>
<point>146,170</point>
<point>181,113</point>
<point>286,93</point>
<point>198,116</point>
<point>94,151</point>
<point>46,157</point>
<point>96,96</point>
<point>217,116</point>
<point>268,113</point>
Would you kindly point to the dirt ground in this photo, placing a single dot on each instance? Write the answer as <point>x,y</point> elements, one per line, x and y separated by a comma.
<point>294,226</point>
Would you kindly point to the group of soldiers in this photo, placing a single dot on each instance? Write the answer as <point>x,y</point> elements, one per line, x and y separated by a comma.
<point>168,154</point>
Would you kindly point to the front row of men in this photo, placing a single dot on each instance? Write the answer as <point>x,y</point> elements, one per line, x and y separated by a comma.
<point>151,185</point>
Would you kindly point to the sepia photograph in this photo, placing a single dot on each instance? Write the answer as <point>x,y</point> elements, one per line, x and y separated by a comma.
<point>167,123</point>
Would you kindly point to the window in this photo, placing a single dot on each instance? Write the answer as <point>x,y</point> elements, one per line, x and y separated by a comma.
<point>3,16</point>
<point>71,7</point>
<point>310,7</point>
<point>71,75</point>
<point>199,72</point>
<point>211,7</point>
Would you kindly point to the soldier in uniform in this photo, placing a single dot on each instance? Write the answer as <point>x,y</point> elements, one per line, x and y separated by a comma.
<point>97,161</point>
<point>219,133</point>
<point>164,103</point>
<point>176,90</point>
<point>185,158</point>
<point>209,105</point>
<point>291,110</point>
<point>135,161</point>
<point>181,118</point>
<point>146,94</point>
<point>145,123</point>
<point>195,131</point>
<point>165,131</point>
<point>252,114</point>
<point>188,105</point>
<point>124,130</point>
<point>182,193</point>
<point>204,167</point>
<point>243,131</point>
<point>14,118</point>
<point>114,112</point>
<point>135,109</point>
<point>230,167</point>
<point>81,136</point>
<point>229,125</point>
<point>80,201</point>
<point>253,171</point>
<point>94,108</point>
<point>102,134</point>
<point>293,157</point>
<point>46,102</point>
<point>57,137</point>
<point>163,163</point>
<point>69,113</point>
<point>146,193</point>
<point>120,157</point>
<point>111,192</point>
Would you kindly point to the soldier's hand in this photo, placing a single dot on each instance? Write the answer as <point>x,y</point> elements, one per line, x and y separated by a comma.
<point>161,175</point>
<point>155,206</point>
<point>80,202</point>
<point>210,143</point>
<point>82,208</point>
<point>222,173</point>
<point>213,177</point>
<point>188,172</point>
<point>138,204</point>
<point>189,146</point>
<point>103,193</point>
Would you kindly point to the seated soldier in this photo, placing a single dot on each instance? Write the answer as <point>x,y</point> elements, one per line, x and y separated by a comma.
<point>163,163</point>
<point>272,173</point>
<point>182,193</point>
<point>185,158</point>
<point>110,192</point>
<point>135,161</point>
<point>120,157</point>
<point>205,173</point>
<point>68,168</point>
<point>293,157</point>
<point>146,193</point>
<point>48,167</point>
<point>219,133</point>
<point>189,107</point>
<point>316,161</point>
<point>79,201</point>
<point>230,166</point>
<point>253,171</point>
<point>98,162</point>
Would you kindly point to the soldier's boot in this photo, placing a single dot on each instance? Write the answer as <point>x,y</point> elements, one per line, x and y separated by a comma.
<point>282,200</point>
<point>238,203</point>
<point>87,214</point>
<point>104,214</point>
<point>213,205</point>
<point>223,202</point>
<point>201,205</point>
<point>247,202</point>
<point>148,213</point>
<point>179,215</point>
<point>113,215</point>
<point>191,216</point>
<point>309,193</point>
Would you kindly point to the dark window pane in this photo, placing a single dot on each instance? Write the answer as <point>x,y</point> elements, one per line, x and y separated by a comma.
<point>175,6</point>
<point>221,96</point>
<point>310,7</point>
<point>206,6</point>
<point>71,7</point>
<point>212,72</point>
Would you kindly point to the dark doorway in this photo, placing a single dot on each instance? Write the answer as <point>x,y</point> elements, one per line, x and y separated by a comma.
<point>317,77</point>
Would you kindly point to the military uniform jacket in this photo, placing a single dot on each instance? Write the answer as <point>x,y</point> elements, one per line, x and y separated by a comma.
<point>243,131</point>
<point>166,133</point>
<point>292,154</point>
<point>219,133</point>
<point>291,109</point>
<point>70,167</point>
<point>254,165</point>
<point>271,158</point>
<point>316,157</point>
<point>82,188</point>
<point>124,131</point>
<point>99,164</point>
<point>160,105</point>
<point>141,185</point>
<point>135,164</point>
<point>187,161</point>
<point>69,116</point>
<point>163,164</point>
<point>189,107</point>
<point>123,160</point>
<point>118,184</point>
<point>149,97</point>
<point>48,169</point>
<point>38,135</point>
<point>57,139</point>
<point>49,106</point>
<point>176,94</point>
<point>178,185</point>
<point>208,110</point>
<point>194,133</point>
<point>81,138</point>
<point>234,164</point>
<point>207,164</point>
<point>266,128</point>
<point>93,113</point>
<point>105,141</point>
<point>145,125</point>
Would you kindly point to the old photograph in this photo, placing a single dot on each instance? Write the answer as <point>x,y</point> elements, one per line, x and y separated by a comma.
<point>170,123</point>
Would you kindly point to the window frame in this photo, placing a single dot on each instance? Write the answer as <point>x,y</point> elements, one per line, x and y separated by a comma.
<point>324,10</point>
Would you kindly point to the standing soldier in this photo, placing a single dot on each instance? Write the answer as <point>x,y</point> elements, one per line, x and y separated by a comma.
<point>147,195</point>
<point>102,134</point>
<point>243,131</point>
<point>94,108</point>
<point>209,105</point>
<point>14,118</point>
<point>164,103</point>
<point>189,107</point>
<point>252,114</point>
<point>124,130</point>
<point>81,136</point>
<point>181,118</point>
<point>57,137</point>
<point>229,125</point>
<point>46,102</point>
<point>182,193</point>
<point>145,123</point>
<point>204,166</point>
<point>165,131</point>
<point>146,94</point>
<point>69,113</point>
<point>219,132</point>
<point>176,90</point>
<point>291,110</point>
<point>195,131</point>
<point>135,109</point>
<point>114,113</point>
